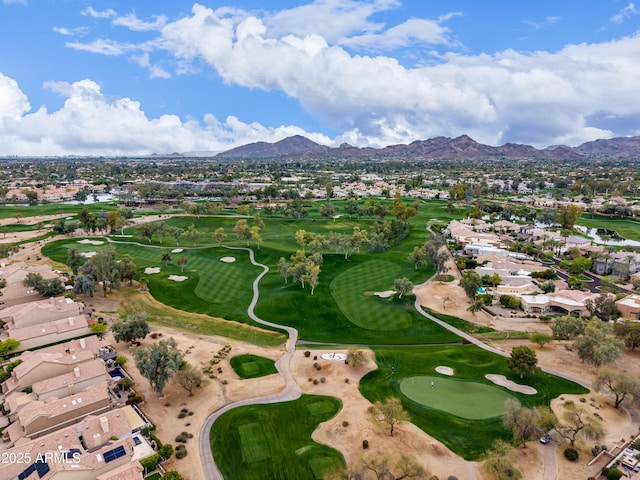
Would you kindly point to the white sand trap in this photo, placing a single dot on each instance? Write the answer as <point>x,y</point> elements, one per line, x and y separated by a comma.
<point>385,294</point>
<point>228,259</point>
<point>177,250</point>
<point>444,370</point>
<point>150,270</point>
<point>177,278</point>
<point>511,385</point>
<point>91,242</point>
<point>333,356</point>
<point>88,254</point>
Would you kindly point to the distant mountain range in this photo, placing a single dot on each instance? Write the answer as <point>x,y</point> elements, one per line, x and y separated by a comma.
<point>460,148</point>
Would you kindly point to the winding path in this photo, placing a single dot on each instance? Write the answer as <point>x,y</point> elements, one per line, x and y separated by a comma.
<point>291,392</point>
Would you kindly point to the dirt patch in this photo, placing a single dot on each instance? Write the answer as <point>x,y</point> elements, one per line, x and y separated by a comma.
<point>347,437</point>
<point>163,411</point>
<point>11,237</point>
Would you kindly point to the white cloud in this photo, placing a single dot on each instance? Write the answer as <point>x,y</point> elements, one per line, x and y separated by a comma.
<point>71,32</point>
<point>132,22</point>
<point>625,13</point>
<point>104,47</point>
<point>537,97</point>
<point>13,103</point>
<point>156,71</point>
<point>19,2</point>
<point>91,12</point>
<point>89,123</point>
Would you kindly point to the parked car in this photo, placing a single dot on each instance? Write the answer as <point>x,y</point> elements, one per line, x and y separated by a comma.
<point>546,439</point>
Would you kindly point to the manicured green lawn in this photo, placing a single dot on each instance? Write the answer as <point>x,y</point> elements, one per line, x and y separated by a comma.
<point>623,226</point>
<point>252,366</point>
<point>466,437</point>
<point>8,211</point>
<point>471,400</point>
<point>274,441</point>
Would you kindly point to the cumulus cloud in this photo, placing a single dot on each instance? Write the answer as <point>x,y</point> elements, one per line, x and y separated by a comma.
<point>624,13</point>
<point>132,22</point>
<point>538,97</point>
<point>71,32</point>
<point>91,12</point>
<point>90,123</point>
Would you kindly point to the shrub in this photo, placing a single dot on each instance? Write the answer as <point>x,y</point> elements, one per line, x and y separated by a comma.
<point>181,453</point>
<point>150,463</point>
<point>365,444</point>
<point>345,424</point>
<point>307,353</point>
<point>571,454</point>
<point>182,438</point>
<point>315,381</point>
<point>614,474</point>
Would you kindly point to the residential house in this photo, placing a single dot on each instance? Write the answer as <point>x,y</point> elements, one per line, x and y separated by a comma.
<point>67,459</point>
<point>625,264</point>
<point>41,311</point>
<point>17,294</point>
<point>17,272</point>
<point>50,362</point>
<point>629,307</point>
<point>39,417</point>
<point>463,234</point>
<point>35,336</point>
<point>563,301</point>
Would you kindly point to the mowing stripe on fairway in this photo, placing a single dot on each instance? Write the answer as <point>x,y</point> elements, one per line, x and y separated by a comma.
<point>369,311</point>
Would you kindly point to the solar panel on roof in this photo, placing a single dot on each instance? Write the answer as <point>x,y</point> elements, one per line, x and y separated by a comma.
<point>42,468</point>
<point>27,471</point>
<point>114,454</point>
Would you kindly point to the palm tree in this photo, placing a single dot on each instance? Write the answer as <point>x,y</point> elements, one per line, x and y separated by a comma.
<point>165,258</point>
<point>182,261</point>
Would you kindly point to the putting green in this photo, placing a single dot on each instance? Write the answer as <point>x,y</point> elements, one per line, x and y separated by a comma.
<point>471,400</point>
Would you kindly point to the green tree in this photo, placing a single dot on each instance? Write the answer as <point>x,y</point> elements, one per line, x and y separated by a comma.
<point>98,329</point>
<point>104,268</point>
<point>624,387</point>
<point>390,412</point>
<point>403,286</point>
<point>476,306</point>
<point>135,327</point>
<point>568,216</point>
<point>172,475</point>
<point>219,235</point>
<point>567,327</point>
<point>604,307</point>
<point>74,260</point>
<point>241,229</point>
<point>157,362</point>
<point>182,261</point>
<point>540,338</point>
<point>8,346</point>
<point>50,287</point>
<point>417,258</point>
<point>526,423</point>
<point>84,285</point>
<point>497,464</point>
<point>595,347</point>
<point>145,230</point>
<point>128,268</point>
<point>165,452</point>
<point>166,258</point>
<point>470,282</point>
<point>523,361</point>
<point>189,378</point>
<point>191,234</point>
<point>628,332</point>
<point>176,233</point>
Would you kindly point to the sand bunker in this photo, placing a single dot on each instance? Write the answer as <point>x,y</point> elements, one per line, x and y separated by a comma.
<point>333,356</point>
<point>177,278</point>
<point>91,242</point>
<point>177,250</point>
<point>228,259</point>
<point>385,294</point>
<point>511,385</point>
<point>150,270</point>
<point>444,370</point>
<point>87,254</point>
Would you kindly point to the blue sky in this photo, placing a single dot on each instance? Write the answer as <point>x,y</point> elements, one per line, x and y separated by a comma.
<point>116,78</point>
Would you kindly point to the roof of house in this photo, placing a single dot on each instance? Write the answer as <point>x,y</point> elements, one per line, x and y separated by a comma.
<point>60,304</point>
<point>54,407</point>
<point>17,290</point>
<point>15,272</point>
<point>129,471</point>
<point>632,300</point>
<point>75,322</point>
<point>91,369</point>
